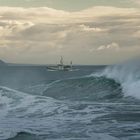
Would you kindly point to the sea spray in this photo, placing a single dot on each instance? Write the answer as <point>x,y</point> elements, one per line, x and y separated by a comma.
<point>127,74</point>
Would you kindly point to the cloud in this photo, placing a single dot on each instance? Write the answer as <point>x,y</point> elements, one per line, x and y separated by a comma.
<point>49,15</point>
<point>113,46</point>
<point>11,27</point>
<point>88,36</point>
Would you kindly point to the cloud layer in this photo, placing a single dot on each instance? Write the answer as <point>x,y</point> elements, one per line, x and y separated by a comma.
<point>98,35</point>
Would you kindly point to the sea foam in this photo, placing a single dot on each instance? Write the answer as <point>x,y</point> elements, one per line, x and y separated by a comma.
<point>127,74</point>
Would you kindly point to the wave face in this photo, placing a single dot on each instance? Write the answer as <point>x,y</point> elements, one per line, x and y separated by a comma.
<point>127,74</point>
<point>85,88</point>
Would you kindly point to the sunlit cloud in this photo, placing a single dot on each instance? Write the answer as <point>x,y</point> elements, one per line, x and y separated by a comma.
<point>113,46</point>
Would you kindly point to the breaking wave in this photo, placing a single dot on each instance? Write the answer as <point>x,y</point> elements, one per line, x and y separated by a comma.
<point>127,74</point>
<point>113,83</point>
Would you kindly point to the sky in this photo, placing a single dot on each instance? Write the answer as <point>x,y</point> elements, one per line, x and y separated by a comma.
<point>84,31</point>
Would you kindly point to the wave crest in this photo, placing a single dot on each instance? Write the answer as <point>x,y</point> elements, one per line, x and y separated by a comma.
<point>127,74</point>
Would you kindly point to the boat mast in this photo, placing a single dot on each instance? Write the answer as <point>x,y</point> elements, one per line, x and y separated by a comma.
<point>71,65</point>
<point>61,61</point>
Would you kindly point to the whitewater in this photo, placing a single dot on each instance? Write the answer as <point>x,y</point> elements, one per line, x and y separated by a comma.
<point>94,103</point>
<point>127,74</point>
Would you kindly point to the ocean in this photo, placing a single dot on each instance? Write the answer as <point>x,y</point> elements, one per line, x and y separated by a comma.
<point>91,103</point>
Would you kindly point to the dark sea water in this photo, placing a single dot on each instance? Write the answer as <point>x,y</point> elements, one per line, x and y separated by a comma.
<point>92,103</point>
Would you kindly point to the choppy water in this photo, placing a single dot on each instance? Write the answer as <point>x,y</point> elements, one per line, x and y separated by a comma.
<point>101,105</point>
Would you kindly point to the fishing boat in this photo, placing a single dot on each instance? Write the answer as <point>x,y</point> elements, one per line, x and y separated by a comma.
<point>61,66</point>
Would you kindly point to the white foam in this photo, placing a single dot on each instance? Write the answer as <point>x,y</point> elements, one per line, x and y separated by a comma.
<point>127,74</point>
<point>15,107</point>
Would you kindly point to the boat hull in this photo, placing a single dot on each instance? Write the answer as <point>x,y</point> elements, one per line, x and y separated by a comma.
<point>53,68</point>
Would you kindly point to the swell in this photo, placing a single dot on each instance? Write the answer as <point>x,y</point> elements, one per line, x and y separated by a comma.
<point>85,88</point>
